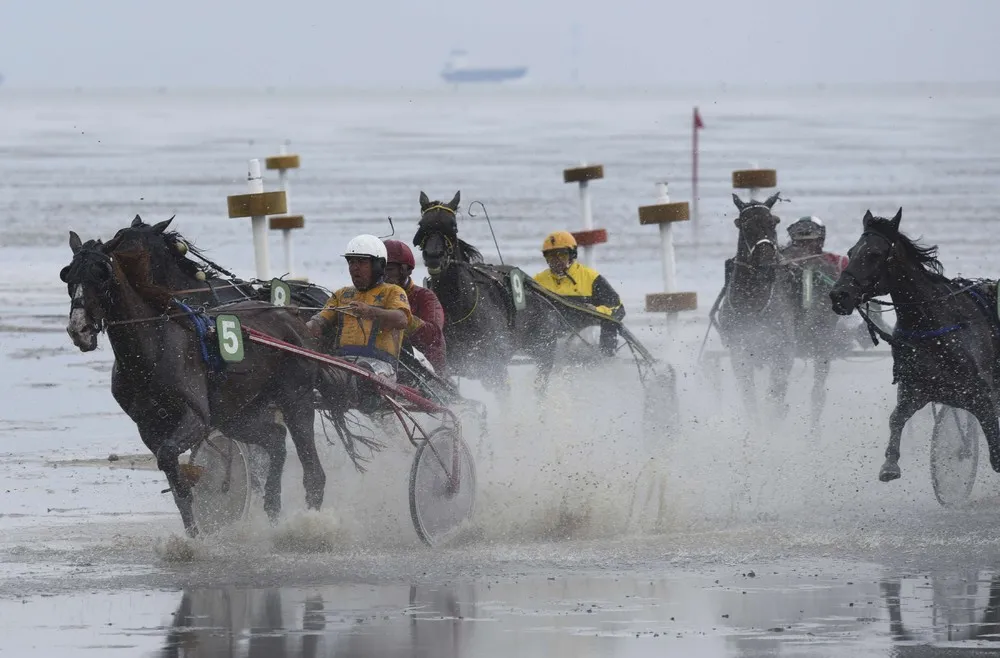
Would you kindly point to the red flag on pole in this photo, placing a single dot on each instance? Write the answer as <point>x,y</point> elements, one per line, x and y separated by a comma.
<point>694,169</point>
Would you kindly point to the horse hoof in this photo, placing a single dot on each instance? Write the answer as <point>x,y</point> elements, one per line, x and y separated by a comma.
<point>889,472</point>
<point>272,514</point>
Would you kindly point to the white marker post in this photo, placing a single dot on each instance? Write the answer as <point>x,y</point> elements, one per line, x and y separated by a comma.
<point>664,213</point>
<point>286,223</point>
<point>666,242</point>
<point>589,236</point>
<point>258,223</point>
<point>257,205</point>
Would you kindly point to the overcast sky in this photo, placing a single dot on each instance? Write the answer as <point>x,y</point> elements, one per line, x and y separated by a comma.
<point>68,43</point>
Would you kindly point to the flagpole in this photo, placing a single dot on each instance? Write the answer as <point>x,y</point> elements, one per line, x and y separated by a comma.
<point>694,173</point>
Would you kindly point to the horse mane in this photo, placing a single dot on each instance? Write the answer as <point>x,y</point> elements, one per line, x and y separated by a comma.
<point>136,268</point>
<point>925,256</point>
<point>469,253</point>
<point>156,253</point>
<point>191,268</point>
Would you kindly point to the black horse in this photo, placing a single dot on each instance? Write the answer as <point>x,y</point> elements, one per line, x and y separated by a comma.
<point>946,344</point>
<point>483,328</point>
<point>757,314</point>
<point>167,376</point>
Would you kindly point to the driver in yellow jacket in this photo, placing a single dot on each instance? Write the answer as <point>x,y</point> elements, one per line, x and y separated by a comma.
<point>580,284</point>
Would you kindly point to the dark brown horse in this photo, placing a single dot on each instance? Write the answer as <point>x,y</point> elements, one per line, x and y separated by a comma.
<point>168,376</point>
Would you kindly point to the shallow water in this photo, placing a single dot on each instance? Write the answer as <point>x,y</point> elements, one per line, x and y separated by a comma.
<point>792,610</point>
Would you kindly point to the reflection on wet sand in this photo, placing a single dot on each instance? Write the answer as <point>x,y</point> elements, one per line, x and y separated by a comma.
<point>281,623</point>
<point>240,622</point>
<point>963,610</point>
<point>763,615</point>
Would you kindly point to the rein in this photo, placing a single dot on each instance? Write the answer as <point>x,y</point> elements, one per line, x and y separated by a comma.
<point>210,288</point>
<point>165,317</point>
<point>941,298</point>
<point>749,266</point>
<point>475,305</point>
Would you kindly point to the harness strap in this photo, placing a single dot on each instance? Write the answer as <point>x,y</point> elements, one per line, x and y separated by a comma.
<point>876,331</point>
<point>472,310</point>
<point>988,310</point>
<point>202,326</point>
<point>437,207</point>
<point>933,333</point>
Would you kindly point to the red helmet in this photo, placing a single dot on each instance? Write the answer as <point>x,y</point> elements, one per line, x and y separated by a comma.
<point>400,253</point>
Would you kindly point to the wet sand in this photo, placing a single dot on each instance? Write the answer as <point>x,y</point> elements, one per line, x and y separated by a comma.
<point>790,610</point>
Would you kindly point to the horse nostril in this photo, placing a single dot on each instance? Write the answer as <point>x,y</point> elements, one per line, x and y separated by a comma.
<point>840,299</point>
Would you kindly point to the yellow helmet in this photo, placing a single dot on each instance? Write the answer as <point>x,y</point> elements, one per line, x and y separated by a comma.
<point>559,240</point>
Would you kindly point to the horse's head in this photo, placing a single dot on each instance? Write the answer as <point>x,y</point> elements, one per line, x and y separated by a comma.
<point>88,279</point>
<point>758,233</point>
<point>867,272</point>
<point>437,233</point>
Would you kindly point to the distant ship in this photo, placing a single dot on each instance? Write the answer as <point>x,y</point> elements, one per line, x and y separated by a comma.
<point>456,71</point>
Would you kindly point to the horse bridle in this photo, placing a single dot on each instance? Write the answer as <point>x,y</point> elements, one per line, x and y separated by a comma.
<point>449,244</point>
<point>103,287</point>
<point>752,248</point>
<point>892,244</point>
<point>436,206</point>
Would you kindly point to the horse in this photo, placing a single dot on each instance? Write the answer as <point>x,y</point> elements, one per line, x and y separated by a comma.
<point>167,377</point>
<point>756,313</point>
<point>946,343</point>
<point>483,329</point>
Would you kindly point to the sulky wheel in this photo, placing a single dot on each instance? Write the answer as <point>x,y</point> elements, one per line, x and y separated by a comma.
<point>442,486</point>
<point>661,409</point>
<point>220,469</point>
<point>954,454</point>
<point>649,497</point>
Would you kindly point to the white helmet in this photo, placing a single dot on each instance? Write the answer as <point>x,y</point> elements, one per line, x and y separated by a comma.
<point>366,245</point>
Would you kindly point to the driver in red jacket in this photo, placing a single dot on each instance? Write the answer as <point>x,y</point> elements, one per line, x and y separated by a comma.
<point>426,328</point>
